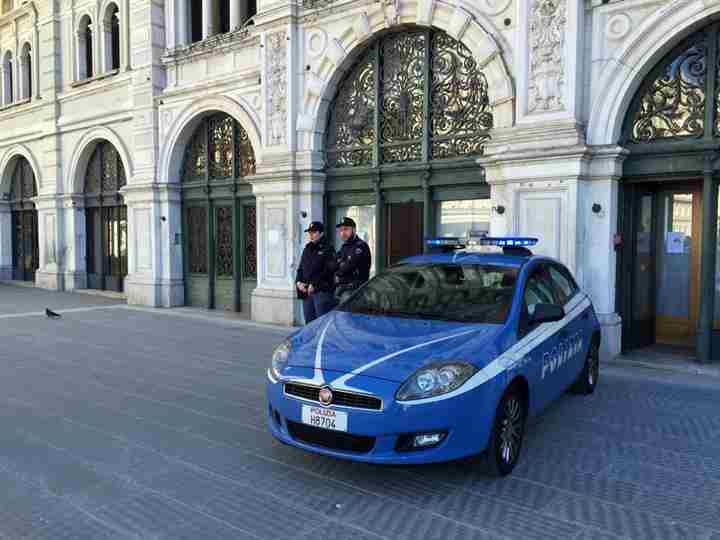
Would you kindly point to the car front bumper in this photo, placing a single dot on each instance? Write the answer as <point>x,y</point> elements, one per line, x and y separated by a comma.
<point>466,418</point>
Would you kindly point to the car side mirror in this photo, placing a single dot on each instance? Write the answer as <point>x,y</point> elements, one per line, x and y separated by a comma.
<point>545,313</point>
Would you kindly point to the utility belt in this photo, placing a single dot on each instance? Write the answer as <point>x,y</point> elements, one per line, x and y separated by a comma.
<point>342,289</point>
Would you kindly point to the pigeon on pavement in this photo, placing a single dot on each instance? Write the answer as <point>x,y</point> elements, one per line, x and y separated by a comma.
<point>51,314</point>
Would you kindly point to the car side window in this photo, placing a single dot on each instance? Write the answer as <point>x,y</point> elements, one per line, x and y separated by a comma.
<point>563,284</point>
<point>538,290</point>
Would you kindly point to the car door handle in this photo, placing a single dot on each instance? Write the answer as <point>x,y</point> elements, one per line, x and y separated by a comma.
<point>563,334</point>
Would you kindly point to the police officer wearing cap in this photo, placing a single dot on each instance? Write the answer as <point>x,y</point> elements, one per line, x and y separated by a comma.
<point>314,278</point>
<point>353,260</point>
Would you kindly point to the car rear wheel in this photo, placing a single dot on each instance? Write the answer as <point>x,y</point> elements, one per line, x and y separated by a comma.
<point>506,439</point>
<point>588,377</point>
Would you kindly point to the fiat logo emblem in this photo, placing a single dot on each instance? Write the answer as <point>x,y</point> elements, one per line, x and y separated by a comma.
<point>326,396</point>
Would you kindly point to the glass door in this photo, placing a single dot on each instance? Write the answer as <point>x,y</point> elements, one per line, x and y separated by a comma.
<point>678,266</point>
<point>640,328</point>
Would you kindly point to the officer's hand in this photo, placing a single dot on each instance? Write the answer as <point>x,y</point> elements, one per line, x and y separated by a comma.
<point>311,289</point>
<point>301,286</point>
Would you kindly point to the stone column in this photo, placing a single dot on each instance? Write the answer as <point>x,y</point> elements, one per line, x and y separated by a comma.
<point>286,204</point>
<point>155,263</point>
<point>5,241</point>
<point>208,18</point>
<point>181,21</point>
<point>50,248</point>
<point>237,7</point>
<point>73,261</point>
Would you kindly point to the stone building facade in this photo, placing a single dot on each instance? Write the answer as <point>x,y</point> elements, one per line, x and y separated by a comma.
<point>175,150</point>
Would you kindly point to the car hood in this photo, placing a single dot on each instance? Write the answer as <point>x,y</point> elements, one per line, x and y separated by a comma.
<point>390,348</point>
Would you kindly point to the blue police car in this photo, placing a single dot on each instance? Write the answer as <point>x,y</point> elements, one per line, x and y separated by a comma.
<point>439,357</point>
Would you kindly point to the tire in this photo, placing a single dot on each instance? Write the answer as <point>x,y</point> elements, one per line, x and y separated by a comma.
<point>503,451</point>
<point>588,378</point>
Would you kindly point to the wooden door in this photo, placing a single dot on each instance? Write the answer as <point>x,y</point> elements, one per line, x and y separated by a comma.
<point>403,231</point>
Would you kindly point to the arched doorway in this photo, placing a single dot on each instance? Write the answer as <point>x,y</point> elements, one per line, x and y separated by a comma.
<point>219,218</point>
<point>405,128</point>
<point>105,220</point>
<point>24,219</point>
<point>668,294</point>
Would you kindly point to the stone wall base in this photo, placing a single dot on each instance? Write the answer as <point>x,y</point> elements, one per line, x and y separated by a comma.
<point>611,342</point>
<point>49,280</point>
<point>276,306</point>
<point>141,292</point>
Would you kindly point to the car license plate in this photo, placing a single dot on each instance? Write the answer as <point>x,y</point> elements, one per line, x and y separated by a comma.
<point>324,418</point>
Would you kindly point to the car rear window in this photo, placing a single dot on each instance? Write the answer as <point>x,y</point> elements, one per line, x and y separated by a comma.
<point>454,292</point>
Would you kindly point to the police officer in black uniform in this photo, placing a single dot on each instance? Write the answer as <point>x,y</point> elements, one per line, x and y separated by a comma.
<point>353,260</point>
<point>314,278</point>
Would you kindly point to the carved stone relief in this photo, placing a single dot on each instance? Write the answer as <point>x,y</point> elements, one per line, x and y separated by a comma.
<point>276,87</point>
<point>548,21</point>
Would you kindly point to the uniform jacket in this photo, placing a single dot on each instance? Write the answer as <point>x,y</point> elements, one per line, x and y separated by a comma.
<point>354,261</point>
<point>317,265</point>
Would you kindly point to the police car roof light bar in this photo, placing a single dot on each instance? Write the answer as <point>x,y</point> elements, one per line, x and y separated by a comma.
<point>446,244</point>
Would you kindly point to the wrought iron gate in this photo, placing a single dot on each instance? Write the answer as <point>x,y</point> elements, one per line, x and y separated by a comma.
<point>24,222</point>
<point>105,220</point>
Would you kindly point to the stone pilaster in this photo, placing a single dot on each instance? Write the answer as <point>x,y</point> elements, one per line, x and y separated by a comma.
<point>155,266</point>
<point>286,204</point>
<point>50,248</point>
<point>5,241</point>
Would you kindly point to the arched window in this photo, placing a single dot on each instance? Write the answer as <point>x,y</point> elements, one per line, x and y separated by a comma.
<point>220,255</point>
<point>26,72</point>
<point>8,86</point>
<point>430,98</point>
<point>220,149</point>
<point>24,221</point>
<point>85,49</point>
<point>112,38</point>
<point>415,107</point>
<point>105,219</point>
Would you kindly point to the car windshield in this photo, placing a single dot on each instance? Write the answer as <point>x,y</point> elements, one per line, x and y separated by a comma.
<point>479,293</point>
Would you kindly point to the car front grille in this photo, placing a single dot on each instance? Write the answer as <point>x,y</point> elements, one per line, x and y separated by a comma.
<point>334,440</point>
<point>341,398</point>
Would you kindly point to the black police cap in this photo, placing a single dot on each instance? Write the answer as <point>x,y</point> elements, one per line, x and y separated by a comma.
<point>346,222</point>
<point>316,226</point>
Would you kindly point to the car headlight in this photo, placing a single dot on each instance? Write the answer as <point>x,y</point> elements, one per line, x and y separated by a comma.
<point>435,380</point>
<point>279,358</point>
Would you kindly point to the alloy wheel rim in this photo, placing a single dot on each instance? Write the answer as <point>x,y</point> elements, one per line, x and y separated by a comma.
<point>511,431</point>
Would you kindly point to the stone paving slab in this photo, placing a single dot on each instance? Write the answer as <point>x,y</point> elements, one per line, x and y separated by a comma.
<point>118,422</point>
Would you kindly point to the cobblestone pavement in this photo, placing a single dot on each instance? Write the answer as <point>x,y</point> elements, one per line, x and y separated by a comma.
<point>124,423</point>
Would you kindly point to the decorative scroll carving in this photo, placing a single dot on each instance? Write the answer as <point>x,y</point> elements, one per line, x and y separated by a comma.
<point>547,55</point>
<point>673,105</point>
<point>403,82</point>
<point>276,87</point>
<point>196,219</point>
<point>220,132</point>
<point>22,183</point>
<point>352,119</point>
<point>460,116</point>
<point>224,241</point>
<point>228,155</point>
<point>250,229</point>
<point>394,74</point>
<point>105,173</point>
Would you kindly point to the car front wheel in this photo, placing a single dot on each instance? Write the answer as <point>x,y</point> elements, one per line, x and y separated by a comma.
<point>506,439</point>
